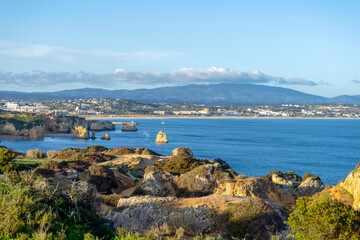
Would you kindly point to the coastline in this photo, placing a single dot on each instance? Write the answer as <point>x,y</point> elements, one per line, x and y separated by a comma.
<point>106,117</point>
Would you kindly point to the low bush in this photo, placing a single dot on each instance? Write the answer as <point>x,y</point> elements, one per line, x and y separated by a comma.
<point>95,148</point>
<point>35,154</point>
<point>178,165</point>
<point>323,218</point>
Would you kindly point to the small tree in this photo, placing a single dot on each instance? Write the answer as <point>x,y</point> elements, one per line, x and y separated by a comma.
<point>6,160</point>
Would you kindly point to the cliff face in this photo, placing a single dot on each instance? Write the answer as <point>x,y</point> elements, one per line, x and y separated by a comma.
<point>33,133</point>
<point>34,126</point>
<point>96,125</point>
<point>352,185</point>
<point>80,132</point>
<point>66,124</point>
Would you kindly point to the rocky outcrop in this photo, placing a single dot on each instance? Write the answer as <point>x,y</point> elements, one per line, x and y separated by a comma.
<point>105,180</point>
<point>161,138</point>
<point>352,185</point>
<point>182,152</point>
<point>80,132</point>
<point>96,125</point>
<point>215,215</point>
<point>202,180</point>
<point>310,185</point>
<point>275,187</point>
<point>129,127</point>
<point>156,182</point>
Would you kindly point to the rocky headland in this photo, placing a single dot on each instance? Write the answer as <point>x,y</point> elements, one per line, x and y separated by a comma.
<point>34,126</point>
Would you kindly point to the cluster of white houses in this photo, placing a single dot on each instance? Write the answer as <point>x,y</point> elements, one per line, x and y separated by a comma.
<point>205,111</point>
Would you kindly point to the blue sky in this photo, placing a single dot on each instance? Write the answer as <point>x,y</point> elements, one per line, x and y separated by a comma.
<point>312,46</point>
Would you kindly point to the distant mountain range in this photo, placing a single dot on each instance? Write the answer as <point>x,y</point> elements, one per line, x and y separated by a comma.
<point>214,94</point>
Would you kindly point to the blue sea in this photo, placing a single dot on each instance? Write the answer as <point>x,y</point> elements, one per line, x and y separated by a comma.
<point>329,148</point>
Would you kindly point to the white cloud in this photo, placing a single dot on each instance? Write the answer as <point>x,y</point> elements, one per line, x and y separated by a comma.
<point>121,76</point>
<point>17,50</point>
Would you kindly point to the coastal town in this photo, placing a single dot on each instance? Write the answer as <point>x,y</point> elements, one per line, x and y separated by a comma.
<point>122,107</point>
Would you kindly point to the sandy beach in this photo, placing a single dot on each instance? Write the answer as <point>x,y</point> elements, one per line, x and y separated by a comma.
<point>107,117</point>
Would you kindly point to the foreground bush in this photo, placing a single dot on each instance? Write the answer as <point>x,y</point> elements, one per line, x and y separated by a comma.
<point>31,208</point>
<point>35,154</point>
<point>6,160</point>
<point>323,218</point>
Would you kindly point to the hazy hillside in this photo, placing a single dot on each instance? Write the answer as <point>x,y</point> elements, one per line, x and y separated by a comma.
<point>215,94</point>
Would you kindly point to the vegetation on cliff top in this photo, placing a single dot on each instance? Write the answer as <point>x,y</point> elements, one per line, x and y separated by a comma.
<point>21,120</point>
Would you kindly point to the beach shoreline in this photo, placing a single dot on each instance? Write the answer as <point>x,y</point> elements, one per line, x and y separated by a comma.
<point>107,117</point>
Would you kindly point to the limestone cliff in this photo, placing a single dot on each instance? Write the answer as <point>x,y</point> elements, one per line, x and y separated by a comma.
<point>352,185</point>
<point>35,132</point>
<point>80,132</point>
<point>26,125</point>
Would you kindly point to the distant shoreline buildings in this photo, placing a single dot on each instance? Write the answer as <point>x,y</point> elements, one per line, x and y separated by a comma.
<point>112,107</point>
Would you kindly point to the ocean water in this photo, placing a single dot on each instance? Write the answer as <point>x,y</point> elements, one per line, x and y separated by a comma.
<point>329,148</point>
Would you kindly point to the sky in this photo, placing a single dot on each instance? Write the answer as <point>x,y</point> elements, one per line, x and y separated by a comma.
<point>310,46</point>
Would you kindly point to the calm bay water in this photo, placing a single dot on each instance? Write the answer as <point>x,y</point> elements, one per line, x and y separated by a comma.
<point>329,148</point>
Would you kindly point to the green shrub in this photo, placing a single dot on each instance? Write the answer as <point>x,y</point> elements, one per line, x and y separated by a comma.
<point>32,208</point>
<point>323,218</point>
<point>178,165</point>
<point>35,154</point>
<point>95,148</point>
<point>6,160</point>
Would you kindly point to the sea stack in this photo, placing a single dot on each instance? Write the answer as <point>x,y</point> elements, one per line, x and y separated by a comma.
<point>161,137</point>
<point>93,135</point>
<point>106,137</point>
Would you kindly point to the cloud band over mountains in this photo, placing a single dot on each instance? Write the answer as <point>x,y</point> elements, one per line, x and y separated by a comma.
<point>181,76</point>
